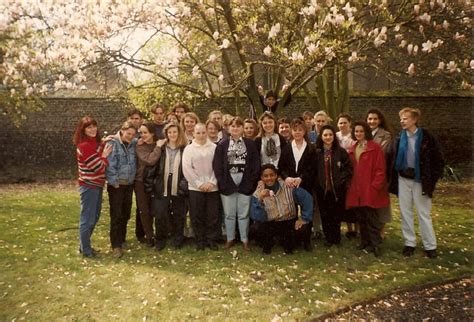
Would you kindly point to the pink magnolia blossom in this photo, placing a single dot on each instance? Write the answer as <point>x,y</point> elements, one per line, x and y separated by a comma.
<point>411,69</point>
<point>274,31</point>
<point>267,51</point>
<point>427,46</point>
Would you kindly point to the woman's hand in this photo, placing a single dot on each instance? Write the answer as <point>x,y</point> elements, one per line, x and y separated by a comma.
<point>161,142</point>
<point>206,187</point>
<point>107,150</point>
<point>108,138</point>
<point>297,182</point>
<point>293,182</point>
<point>289,182</point>
<point>299,223</point>
<point>264,193</point>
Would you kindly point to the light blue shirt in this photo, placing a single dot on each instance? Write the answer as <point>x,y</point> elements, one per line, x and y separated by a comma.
<point>411,148</point>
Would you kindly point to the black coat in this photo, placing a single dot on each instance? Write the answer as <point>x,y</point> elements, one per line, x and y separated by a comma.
<point>431,164</point>
<point>251,174</point>
<point>341,174</point>
<point>306,166</point>
<point>153,177</point>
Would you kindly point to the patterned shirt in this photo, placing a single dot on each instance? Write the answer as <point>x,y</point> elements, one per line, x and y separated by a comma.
<point>236,155</point>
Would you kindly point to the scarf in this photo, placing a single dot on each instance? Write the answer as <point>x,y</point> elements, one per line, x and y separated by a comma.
<point>328,186</point>
<point>401,161</point>
<point>270,148</point>
<point>174,183</point>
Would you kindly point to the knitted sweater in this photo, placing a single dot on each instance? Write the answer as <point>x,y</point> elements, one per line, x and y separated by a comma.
<point>197,164</point>
<point>91,164</point>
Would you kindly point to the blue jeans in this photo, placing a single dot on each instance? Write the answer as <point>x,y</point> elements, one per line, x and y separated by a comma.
<point>91,204</point>
<point>236,205</point>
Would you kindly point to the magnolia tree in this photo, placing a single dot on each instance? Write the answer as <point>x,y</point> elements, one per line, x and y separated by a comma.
<point>216,49</point>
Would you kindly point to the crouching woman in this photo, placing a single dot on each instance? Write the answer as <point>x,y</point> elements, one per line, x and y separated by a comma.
<point>273,208</point>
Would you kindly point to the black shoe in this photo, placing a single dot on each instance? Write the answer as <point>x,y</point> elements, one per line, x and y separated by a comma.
<point>93,250</point>
<point>213,246</point>
<point>142,240</point>
<point>431,253</point>
<point>408,251</point>
<point>307,247</point>
<point>328,244</point>
<point>318,235</point>
<point>92,255</point>
<point>377,251</point>
<point>289,251</point>
<point>160,245</point>
<point>178,245</point>
<point>150,243</point>
<point>267,251</point>
<point>200,247</point>
<point>362,246</point>
<point>351,234</point>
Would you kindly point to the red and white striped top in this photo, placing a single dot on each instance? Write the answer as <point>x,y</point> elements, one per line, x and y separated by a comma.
<point>91,164</point>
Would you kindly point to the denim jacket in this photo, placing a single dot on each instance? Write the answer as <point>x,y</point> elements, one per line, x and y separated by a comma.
<point>122,162</point>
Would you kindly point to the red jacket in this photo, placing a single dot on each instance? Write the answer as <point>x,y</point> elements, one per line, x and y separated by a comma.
<point>369,185</point>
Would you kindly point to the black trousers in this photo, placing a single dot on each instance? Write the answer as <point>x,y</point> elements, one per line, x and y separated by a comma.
<point>331,215</point>
<point>265,234</point>
<point>139,231</point>
<point>170,216</point>
<point>268,231</point>
<point>370,226</point>
<point>204,212</point>
<point>120,201</point>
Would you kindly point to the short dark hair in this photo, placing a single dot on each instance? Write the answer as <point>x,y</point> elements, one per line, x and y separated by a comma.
<point>158,105</point>
<point>271,94</point>
<point>237,120</point>
<point>268,166</point>
<point>346,116</point>
<point>319,140</point>
<point>284,120</point>
<point>217,125</point>
<point>135,111</point>
<point>307,114</point>
<point>181,105</point>
<point>367,131</point>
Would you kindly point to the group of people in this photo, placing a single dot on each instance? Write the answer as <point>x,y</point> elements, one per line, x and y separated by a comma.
<point>275,180</point>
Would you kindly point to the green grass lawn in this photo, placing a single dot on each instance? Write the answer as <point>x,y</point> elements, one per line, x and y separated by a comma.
<point>44,278</point>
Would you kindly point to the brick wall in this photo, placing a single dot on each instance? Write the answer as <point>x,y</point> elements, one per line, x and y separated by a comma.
<point>41,148</point>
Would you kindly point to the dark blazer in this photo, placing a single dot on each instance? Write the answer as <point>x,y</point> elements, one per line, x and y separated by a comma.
<point>306,166</point>
<point>340,176</point>
<point>251,174</point>
<point>431,164</point>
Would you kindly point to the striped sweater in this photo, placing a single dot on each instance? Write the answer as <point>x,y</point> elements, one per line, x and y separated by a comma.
<point>91,164</point>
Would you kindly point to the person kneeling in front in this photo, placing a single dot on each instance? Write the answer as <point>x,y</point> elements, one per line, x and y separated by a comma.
<point>274,211</point>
